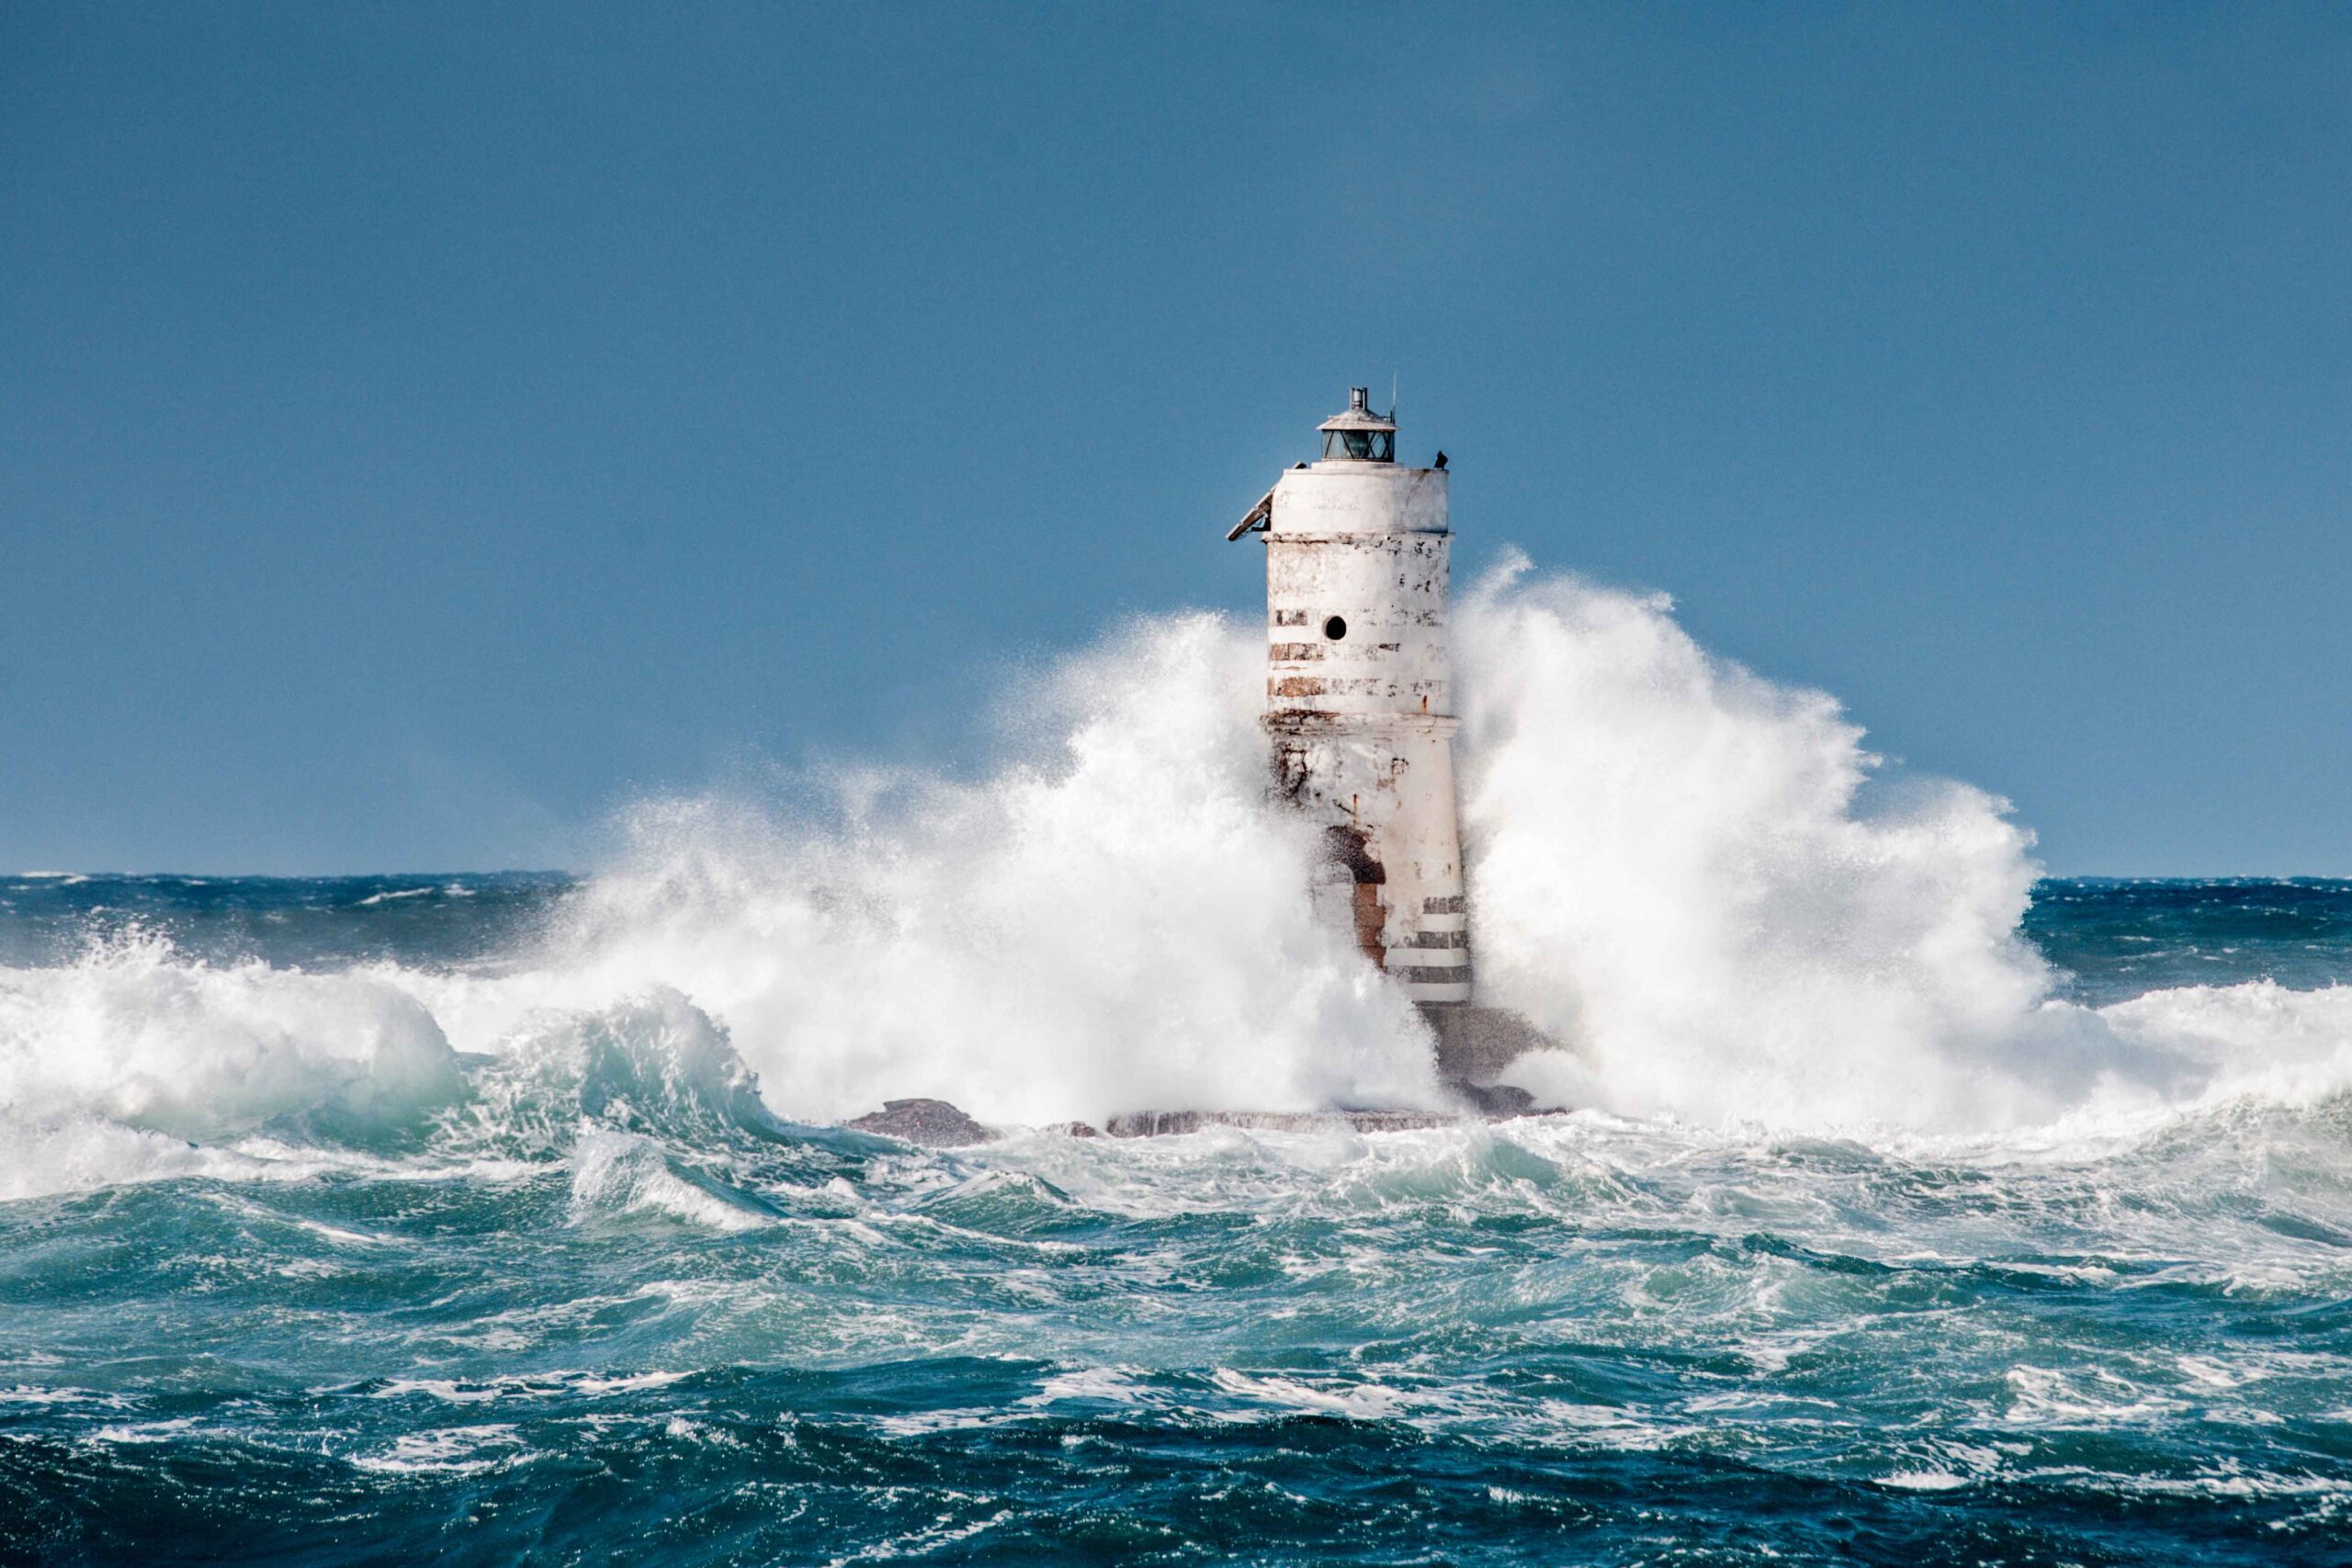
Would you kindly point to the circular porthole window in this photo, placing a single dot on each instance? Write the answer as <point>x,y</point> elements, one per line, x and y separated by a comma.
<point>1335,628</point>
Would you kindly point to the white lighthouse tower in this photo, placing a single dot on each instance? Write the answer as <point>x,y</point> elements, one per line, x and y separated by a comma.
<point>1358,704</point>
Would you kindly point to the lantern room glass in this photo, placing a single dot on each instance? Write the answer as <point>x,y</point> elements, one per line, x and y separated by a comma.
<point>1361,446</point>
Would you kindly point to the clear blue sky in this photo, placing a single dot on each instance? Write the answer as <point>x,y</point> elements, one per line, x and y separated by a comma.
<point>424,428</point>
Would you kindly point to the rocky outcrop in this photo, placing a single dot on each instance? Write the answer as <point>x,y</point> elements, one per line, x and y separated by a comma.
<point>1164,1123</point>
<point>933,1124</point>
<point>1475,1043</point>
<point>1496,1101</point>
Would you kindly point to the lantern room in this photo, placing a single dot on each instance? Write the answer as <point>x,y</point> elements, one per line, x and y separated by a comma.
<point>1359,435</point>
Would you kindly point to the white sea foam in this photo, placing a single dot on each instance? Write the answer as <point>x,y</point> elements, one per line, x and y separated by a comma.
<point>449,1451</point>
<point>1354,1401</point>
<point>1695,879</point>
<point>374,898</point>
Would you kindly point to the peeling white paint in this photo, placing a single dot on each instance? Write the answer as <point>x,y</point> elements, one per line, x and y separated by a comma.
<point>1359,700</point>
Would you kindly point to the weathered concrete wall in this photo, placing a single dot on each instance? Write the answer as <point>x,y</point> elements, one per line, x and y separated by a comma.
<point>1361,497</point>
<point>1388,592</point>
<point>1359,706</point>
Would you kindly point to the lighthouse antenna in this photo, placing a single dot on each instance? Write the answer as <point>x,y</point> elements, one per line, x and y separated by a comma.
<point>1392,397</point>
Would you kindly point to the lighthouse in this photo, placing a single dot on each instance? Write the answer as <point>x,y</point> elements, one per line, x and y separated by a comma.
<point>1359,700</point>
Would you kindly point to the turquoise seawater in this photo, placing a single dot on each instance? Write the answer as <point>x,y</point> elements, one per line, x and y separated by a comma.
<point>599,1301</point>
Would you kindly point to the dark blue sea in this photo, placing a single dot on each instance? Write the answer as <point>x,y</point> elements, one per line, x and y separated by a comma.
<point>337,1231</point>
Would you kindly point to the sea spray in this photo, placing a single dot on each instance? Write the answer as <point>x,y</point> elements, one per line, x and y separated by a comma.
<point>1691,876</point>
<point>1118,923</point>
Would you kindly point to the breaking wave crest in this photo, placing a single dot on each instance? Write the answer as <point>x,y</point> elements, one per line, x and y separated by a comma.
<point>1700,882</point>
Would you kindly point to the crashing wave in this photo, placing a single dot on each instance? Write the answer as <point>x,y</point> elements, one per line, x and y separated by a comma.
<point>1702,883</point>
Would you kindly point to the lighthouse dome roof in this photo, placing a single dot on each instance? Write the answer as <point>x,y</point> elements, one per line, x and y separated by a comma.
<point>1359,415</point>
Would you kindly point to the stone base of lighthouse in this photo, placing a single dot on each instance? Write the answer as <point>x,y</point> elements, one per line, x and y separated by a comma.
<point>1476,1044</point>
<point>1391,872</point>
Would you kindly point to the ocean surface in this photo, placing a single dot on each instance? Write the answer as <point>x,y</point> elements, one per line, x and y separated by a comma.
<point>611,1304</point>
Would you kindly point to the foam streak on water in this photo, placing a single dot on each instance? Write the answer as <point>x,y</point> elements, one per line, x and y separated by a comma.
<point>1915,1211</point>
